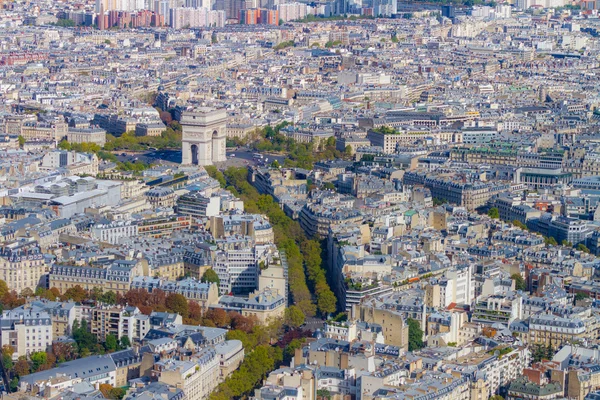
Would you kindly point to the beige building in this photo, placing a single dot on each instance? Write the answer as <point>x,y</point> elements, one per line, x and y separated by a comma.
<point>128,365</point>
<point>87,135</point>
<point>171,268</point>
<point>22,265</point>
<point>13,124</point>
<point>161,197</point>
<point>115,278</point>
<point>239,130</point>
<point>395,331</point>
<point>197,377</point>
<point>548,329</point>
<point>273,277</point>
<point>149,129</point>
<point>253,225</point>
<point>130,189</point>
<point>231,355</point>
<point>265,305</point>
<point>55,131</point>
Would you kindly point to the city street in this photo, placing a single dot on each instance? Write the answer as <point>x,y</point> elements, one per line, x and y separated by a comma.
<point>235,157</point>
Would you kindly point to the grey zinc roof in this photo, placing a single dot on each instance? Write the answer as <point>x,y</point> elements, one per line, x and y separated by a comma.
<point>84,368</point>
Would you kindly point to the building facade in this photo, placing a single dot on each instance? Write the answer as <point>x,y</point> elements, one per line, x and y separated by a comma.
<point>204,132</point>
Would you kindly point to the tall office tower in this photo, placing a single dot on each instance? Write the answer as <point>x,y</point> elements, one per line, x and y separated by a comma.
<point>100,19</point>
<point>385,8</point>
<point>249,16</point>
<point>198,4</point>
<point>233,7</point>
<point>292,11</point>
<point>182,17</point>
<point>164,8</point>
<point>269,17</point>
<point>340,7</point>
<point>448,11</point>
<point>503,11</point>
<point>216,18</point>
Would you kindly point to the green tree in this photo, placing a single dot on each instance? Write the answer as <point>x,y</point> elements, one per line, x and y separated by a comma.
<point>211,276</point>
<point>294,317</point>
<point>76,293</point>
<point>21,141</point>
<point>83,337</point>
<point>38,359</point>
<point>493,213</point>
<point>65,23</point>
<point>125,342</point>
<point>303,255</point>
<point>583,247</point>
<point>581,296</point>
<point>176,303</point>
<point>415,335</point>
<point>348,151</point>
<point>7,362</point>
<point>438,202</point>
<point>64,145</point>
<point>214,173</point>
<point>248,341</point>
<point>566,243</point>
<point>550,241</point>
<point>111,343</point>
<point>520,283</point>
<point>14,384</point>
<point>109,297</point>
<point>117,393</point>
<point>290,350</point>
<point>326,302</point>
<point>3,289</point>
<point>519,224</point>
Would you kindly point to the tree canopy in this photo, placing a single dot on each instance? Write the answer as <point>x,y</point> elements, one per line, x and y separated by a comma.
<point>415,335</point>
<point>211,276</point>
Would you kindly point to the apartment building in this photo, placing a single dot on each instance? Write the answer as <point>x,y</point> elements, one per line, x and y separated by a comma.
<point>389,141</point>
<point>26,329</point>
<point>118,321</point>
<point>253,225</point>
<point>548,329</point>
<point>470,195</point>
<point>34,131</point>
<point>498,308</point>
<point>116,277</point>
<point>237,270</point>
<point>87,135</point>
<point>161,197</point>
<point>316,219</point>
<point>197,377</point>
<point>231,355</point>
<point>114,231</point>
<point>205,294</point>
<point>163,226</point>
<point>267,305</point>
<point>22,265</point>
